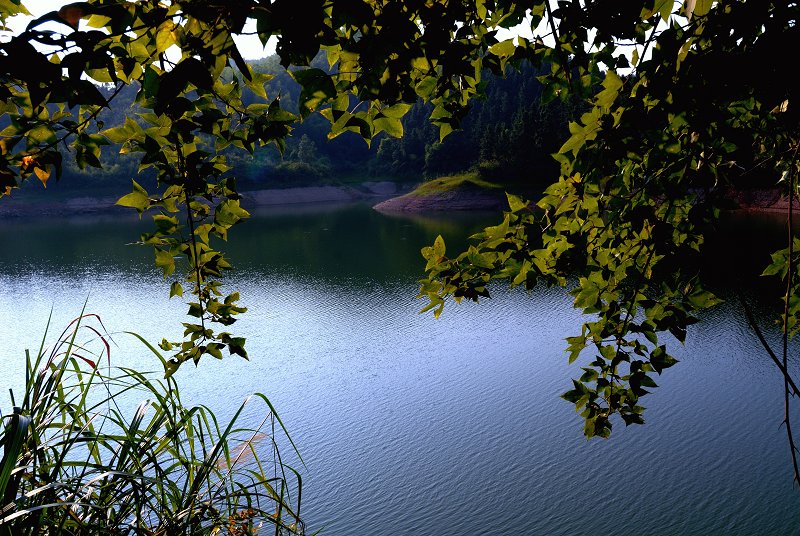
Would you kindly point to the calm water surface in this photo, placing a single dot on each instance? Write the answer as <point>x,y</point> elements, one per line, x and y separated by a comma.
<point>410,425</point>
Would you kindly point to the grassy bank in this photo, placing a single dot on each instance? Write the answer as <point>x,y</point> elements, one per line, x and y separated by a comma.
<point>464,191</point>
<point>450,183</point>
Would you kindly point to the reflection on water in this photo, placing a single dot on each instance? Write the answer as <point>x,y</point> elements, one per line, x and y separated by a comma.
<point>413,426</point>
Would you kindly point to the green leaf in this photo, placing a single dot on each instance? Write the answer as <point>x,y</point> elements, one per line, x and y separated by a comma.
<point>445,129</point>
<point>576,395</point>
<point>258,82</point>
<point>122,133</point>
<point>317,87</point>
<point>587,297</point>
<point>137,199</point>
<point>589,375</point>
<point>503,48</point>
<point>165,37</point>
<point>393,127</point>
<point>175,289</point>
<point>481,260</point>
<point>98,21</point>
<point>229,213</point>
<point>522,276</point>
<point>632,418</point>
<point>611,86</point>
<point>396,111</point>
<point>174,82</point>
<point>647,381</point>
<point>426,87</point>
<point>165,261</point>
<point>580,135</point>
<point>41,133</point>
<point>661,7</point>
<point>702,299</point>
<point>12,7</point>
<point>439,247</point>
<point>660,360</point>
<point>516,203</point>
<point>42,174</point>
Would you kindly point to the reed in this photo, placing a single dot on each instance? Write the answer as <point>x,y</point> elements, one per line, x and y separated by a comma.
<point>95,449</point>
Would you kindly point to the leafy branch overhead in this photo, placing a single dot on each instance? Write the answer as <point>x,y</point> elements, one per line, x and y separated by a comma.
<point>190,77</point>
<point>695,106</point>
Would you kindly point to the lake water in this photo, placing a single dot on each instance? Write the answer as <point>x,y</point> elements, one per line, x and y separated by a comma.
<point>410,425</point>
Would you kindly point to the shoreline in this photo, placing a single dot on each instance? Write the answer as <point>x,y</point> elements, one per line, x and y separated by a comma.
<point>20,206</point>
<point>768,200</point>
<point>389,196</point>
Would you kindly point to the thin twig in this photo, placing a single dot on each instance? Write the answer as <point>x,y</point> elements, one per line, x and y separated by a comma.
<point>752,321</point>
<point>790,273</point>
<point>559,48</point>
<point>195,259</point>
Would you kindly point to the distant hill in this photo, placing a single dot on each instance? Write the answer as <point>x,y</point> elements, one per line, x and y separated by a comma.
<point>506,138</point>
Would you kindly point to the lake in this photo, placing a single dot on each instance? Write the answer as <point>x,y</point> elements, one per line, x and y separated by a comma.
<point>410,425</point>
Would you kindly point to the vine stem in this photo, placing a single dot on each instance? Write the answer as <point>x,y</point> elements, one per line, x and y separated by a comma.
<point>559,49</point>
<point>77,128</point>
<point>194,257</point>
<point>789,280</point>
<point>763,340</point>
<point>633,303</point>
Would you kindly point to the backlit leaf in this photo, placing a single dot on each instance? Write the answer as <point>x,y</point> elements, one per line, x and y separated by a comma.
<point>42,174</point>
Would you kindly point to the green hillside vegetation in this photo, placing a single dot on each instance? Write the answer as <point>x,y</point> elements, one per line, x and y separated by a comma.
<point>507,138</point>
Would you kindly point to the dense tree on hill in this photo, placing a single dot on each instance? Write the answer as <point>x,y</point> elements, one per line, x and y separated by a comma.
<point>509,136</point>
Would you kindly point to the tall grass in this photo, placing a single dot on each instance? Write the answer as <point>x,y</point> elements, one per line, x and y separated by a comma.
<point>81,456</point>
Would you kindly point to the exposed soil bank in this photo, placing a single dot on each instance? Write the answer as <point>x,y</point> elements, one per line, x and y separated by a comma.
<point>766,200</point>
<point>464,197</point>
<point>23,207</point>
<point>457,192</point>
<point>471,197</point>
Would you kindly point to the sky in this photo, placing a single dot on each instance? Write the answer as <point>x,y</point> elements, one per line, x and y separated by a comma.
<point>249,45</point>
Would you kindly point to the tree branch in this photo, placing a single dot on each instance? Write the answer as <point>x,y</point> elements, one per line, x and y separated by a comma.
<point>752,321</point>
<point>790,273</point>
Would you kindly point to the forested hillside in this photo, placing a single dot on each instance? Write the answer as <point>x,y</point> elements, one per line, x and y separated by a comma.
<point>507,136</point>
